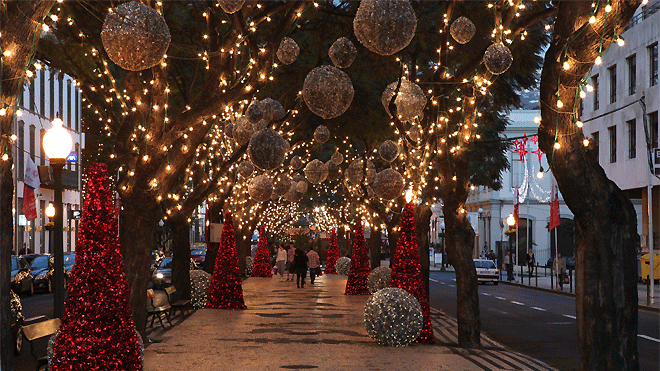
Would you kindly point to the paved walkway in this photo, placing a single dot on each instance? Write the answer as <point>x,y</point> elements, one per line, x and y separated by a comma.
<point>317,327</point>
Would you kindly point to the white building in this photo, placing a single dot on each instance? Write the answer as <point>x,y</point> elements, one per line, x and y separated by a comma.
<point>44,96</point>
<point>615,117</point>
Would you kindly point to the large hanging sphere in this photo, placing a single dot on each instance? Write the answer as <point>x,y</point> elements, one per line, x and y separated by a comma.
<point>135,36</point>
<point>388,184</point>
<point>498,58</point>
<point>296,163</point>
<point>298,178</point>
<point>288,51</point>
<point>273,110</point>
<point>327,91</point>
<point>337,158</point>
<point>462,30</point>
<point>414,133</point>
<point>261,125</point>
<point>243,130</point>
<point>342,52</point>
<point>245,169</point>
<point>355,172</point>
<point>302,186</point>
<point>229,130</point>
<point>316,171</point>
<point>292,194</point>
<point>388,150</point>
<point>385,26</point>
<point>199,286</point>
<point>393,317</point>
<point>282,185</point>
<point>267,149</point>
<point>322,134</point>
<point>410,100</point>
<point>260,188</point>
<point>333,171</point>
<point>343,265</point>
<point>254,112</point>
<point>379,278</point>
<point>231,6</point>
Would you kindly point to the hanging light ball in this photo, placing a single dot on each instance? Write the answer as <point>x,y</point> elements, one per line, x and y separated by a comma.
<point>337,158</point>
<point>296,163</point>
<point>414,134</point>
<point>327,91</point>
<point>242,131</point>
<point>462,30</point>
<point>389,184</point>
<point>298,178</point>
<point>342,52</point>
<point>261,125</point>
<point>273,110</point>
<point>355,172</point>
<point>135,36</point>
<point>267,149</point>
<point>288,51</point>
<point>254,112</point>
<point>199,285</point>
<point>245,169</point>
<point>322,134</point>
<point>385,26</point>
<point>302,186</point>
<point>333,171</point>
<point>231,6</point>
<point>229,130</point>
<point>282,185</point>
<point>498,58</point>
<point>316,171</point>
<point>292,195</point>
<point>379,278</point>
<point>393,317</point>
<point>343,265</point>
<point>410,100</point>
<point>260,188</point>
<point>287,146</point>
<point>388,150</point>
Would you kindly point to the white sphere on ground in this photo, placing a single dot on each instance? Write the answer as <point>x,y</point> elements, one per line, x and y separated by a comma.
<point>379,278</point>
<point>393,317</point>
<point>199,285</point>
<point>343,265</point>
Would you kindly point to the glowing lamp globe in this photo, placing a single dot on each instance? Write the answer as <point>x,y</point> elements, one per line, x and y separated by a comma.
<point>511,221</point>
<point>57,141</point>
<point>50,210</point>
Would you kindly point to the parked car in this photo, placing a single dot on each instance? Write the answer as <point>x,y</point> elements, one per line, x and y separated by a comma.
<point>21,277</point>
<point>69,261</point>
<point>17,320</point>
<point>42,270</point>
<point>570,262</point>
<point>162,276</point>
<point>486,271</point>
<point>198,256</point>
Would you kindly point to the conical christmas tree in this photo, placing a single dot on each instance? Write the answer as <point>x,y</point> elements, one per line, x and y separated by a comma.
<point>97,330</point>
<point>333,254</point>
<point>261,267</point>
<point>225,290</point>
<point>407,270</point>
<point>360,269</point>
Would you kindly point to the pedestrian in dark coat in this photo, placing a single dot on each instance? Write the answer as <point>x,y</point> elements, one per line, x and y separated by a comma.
<point>300,267</point>
<point>531,260</point>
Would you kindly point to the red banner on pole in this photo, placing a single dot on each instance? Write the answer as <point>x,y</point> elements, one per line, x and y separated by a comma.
<point>29,203</point>
<point>555,219</point>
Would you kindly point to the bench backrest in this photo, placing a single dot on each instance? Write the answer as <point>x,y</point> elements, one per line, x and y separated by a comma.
<point>170,290</point>
<point>41,329</point>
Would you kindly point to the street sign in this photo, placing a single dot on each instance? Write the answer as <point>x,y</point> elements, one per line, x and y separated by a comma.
<point>656,156</point>
<point>72,157</point>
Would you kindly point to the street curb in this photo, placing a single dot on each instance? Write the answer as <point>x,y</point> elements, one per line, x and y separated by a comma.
<point>639,306</point>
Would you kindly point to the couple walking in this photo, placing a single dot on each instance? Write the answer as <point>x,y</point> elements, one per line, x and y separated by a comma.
<point>296,261</point>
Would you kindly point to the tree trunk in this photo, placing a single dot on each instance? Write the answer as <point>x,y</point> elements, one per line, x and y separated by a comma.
<point>392,238</point>
<point>215,216</point>
<point>374,248</point>
<point>605,220</point>
<point>6,247</point>
<point>423,225</point>
<point>180,254</point>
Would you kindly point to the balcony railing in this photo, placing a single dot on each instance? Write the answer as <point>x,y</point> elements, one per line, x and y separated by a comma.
<point>647,11</point>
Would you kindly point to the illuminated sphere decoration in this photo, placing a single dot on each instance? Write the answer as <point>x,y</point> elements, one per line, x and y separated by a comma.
<point>379,278</point>
<point>302,186</point>
<point>245,169</point>
<point>316,171</point>
<point>322,134</point>
<point>243,130</point>
<point>199,285</point>
<point>135,36</point>
<point>296,163</point>
<point>292,194</point>
<point>414,133</point>
<point>260,188</point>
<point>393,317</point>
<point>254,112</point>
<point>287,145</point>
<point>298,178</point>
<point>410,100</point>
<point>337,158</point>
<point>388,150</point>
<point>342,52</point>
<point>343,265</point>
<point>498,58</point>
<point>333,171</point>
<point>231,6</point>
<point>282,185</point>
<point>355,172</point>
<point>261,125</point>
<point>267,149</point>
<point>389,184</point>
<point>288,51</point>
<point>273,110</point>
<point>229,130</point>
<point>462,30</point>
<point>385,26</point>
<point>327,91</point>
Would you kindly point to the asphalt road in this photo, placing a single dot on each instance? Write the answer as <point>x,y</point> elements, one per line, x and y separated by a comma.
<point>537,323</point>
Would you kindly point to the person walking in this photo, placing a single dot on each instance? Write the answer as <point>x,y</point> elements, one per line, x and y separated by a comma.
<point>559,269</point>
<point>300,267</point>
<point>281,261</point>
<point>314,264</point>
<point>531,261</point>
<point>289,262</point>
<point>508,264</point>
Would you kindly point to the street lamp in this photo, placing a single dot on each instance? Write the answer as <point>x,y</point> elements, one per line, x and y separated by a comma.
<point>57,145</point>
<point>444,257</point>
<point>511,222</point>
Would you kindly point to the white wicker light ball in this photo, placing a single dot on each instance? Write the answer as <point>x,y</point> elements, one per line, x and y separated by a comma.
<point>254,112</point>
<point>231,6</point>
<point>327,91</point>
<point>342,52</point>
<point>243,130</point>
<point>199,285</point>
<point>292,194</point>
<point>302,186</point>
<point>355,172</point>
<point>497,58</point>
<point>322,134</point>
<point>379,278</point>
<point>462,30</point>
<point>333,171</point>
<point>385,26</point>
<point>343,265</point>
<point>316,171</point>
<point>414,133</point>
<point>389,184</point>
<point>393,317</point>
<point>135,36</point>
<point>296,163</point>
<point>267,149</point>
<point>260,188</point>
<point>229,130</point>
<point>288,51</point>
<point>410,100</point>
<point>261,125</point>
<point>245,169</point>
<point>282,185</point>
<point>298,178</point>
<point>388,150</point>
<point>273,110</point>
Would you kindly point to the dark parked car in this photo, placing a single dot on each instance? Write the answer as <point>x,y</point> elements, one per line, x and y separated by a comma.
<point>42,270</point>
<point>163,275</point>
<point>198,256</point>
<point>69,261</point>
<point>17,320</point>
<point>21,277</point>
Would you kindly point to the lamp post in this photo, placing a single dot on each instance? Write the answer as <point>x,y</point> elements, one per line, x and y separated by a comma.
<point>57,144</point>
<point>442,229</point>
<point>511,222</point>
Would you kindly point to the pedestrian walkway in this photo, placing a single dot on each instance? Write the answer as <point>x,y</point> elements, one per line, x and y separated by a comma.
<point>316,327</point>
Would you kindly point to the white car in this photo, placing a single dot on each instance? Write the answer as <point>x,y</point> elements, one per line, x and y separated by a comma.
<point>486,271</point>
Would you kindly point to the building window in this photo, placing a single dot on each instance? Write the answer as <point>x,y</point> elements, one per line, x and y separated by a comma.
<point>612,133</point>
<point>612,73</point>
<point>32,96</point>
<point>594,83</point>
<point>632,138</point>
<point>653,122</point>
<point>52,94</point>
<point>653,64</point>
<point>33,140</point>
<point>632,74</point>
<point>21,150</point>
<point>42,155</point>
<point>68,103</point>
<point>42,92</point>
<point>596,138</point>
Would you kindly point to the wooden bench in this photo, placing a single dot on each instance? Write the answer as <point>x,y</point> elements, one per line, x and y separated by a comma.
<point>180,305</point>
<point>156,311</point>
<point>37,331</point>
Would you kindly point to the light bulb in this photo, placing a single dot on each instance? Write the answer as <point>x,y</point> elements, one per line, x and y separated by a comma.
<point>592,19</point>
<point>598,60</point>
<point>557,145</point>
<point>560,104</point>
<point>579,124</point>
<point>586,142</point>
<point>583,94</point>
<point>608,8</point>
<point>566,65</point>
<point>590,88</point>
<point>620,42</point>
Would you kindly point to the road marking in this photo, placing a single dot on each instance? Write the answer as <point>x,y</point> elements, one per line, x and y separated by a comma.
<point>451,285</point>
<point>537,308</point>
<point>518,303</point>
<point>453,279</point>
<point>485,293</point>
<point>432,280</point>
<point>648,338</point>
<point>560,323</point>
<point>569,316</point>
<point>442,283</point>
<point>499,297</point>
<point>34,318</point>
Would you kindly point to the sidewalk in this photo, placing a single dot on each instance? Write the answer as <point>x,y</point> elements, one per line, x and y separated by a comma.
<point>317,327</point>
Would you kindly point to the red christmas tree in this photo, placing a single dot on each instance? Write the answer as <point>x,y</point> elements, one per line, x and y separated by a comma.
<point>97,330</point>
<point>225,290</point>
<point>407,270</point>
<point>333,255</point>
<point>261,267</point>
<point>360,269</point>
